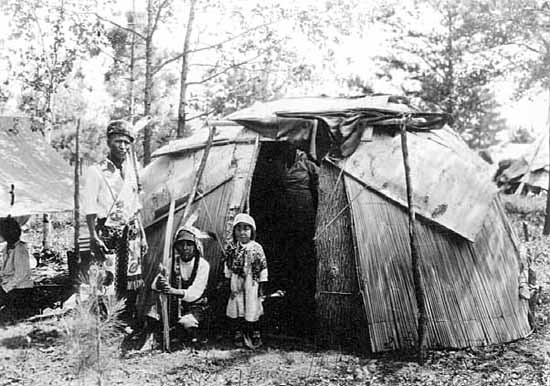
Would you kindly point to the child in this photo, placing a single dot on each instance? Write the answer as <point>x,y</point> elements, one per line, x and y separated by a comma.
<point>246,268</point>
<point>15,271</point>
<point>190,278</point>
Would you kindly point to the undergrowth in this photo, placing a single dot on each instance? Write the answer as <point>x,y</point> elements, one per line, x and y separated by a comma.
<point>93,322</point>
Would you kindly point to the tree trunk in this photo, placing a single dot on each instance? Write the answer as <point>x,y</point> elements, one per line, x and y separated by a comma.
<point>132,26</point>
<point>147,132</point>
<point>546,229</point>
<point>449,74</point>
<point>415,256</point>
<point>184,71</point>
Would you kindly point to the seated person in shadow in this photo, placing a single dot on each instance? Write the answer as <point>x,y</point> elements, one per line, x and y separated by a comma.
<point>15,270</point>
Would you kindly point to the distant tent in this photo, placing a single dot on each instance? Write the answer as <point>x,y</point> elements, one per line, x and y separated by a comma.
<point>31,172</point>
<point>530,170</point>
<point>360,265</point>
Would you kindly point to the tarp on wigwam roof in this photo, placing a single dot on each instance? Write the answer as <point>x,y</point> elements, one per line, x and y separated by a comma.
<point>344,119</point>
<point>41,179</point>
<point>293,120</point>
<point>452,185</point>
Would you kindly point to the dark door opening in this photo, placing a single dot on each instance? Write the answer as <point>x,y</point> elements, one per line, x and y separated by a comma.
<point>283,201</point>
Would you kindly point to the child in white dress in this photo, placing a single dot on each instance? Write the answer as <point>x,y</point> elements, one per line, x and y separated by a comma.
<point>246,268</point>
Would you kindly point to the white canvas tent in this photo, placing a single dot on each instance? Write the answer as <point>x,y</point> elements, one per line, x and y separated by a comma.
<point>33,177</point>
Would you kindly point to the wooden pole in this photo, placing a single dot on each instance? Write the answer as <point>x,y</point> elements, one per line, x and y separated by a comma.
<point>245,202</point>
<point>46,232</point>
<point>76,191</point>
<point>166,260</point>
<point>182,110</point>
<point>12,195</point>
<point>546,228</point>
<point>415,255</point>
<point>198,176</point>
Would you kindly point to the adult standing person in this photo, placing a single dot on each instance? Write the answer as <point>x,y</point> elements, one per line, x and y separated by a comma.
<point>112,208</point>
<point>300,183</point>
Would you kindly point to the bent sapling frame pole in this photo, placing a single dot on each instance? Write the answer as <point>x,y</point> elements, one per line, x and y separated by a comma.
<point>198,176</point>
<point>416,258</point>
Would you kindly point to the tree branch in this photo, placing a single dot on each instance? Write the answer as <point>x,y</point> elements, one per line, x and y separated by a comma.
<point>525,45</point>
<point>432,66</point>
<point>222,71</point>
<point>229,39</point>
<point>157,16</point>
<point>201,115</point>
<point>161,65</point>
<point>120,26</point>
<point>202,65</point>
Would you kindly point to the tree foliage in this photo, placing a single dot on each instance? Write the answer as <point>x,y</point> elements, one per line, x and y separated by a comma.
<point>105,59</point>
<point>48,40</point>
<point>448,65</point>
<point>522,33</point>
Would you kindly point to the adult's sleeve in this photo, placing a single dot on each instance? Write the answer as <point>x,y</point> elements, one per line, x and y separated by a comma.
<point>196,290</point>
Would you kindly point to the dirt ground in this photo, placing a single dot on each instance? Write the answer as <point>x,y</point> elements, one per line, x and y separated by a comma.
<point>41,353</point>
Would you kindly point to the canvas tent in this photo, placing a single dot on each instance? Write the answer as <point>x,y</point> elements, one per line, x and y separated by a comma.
<point>33,177</point>
<point>531,169</point>
<point>360,264</point>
